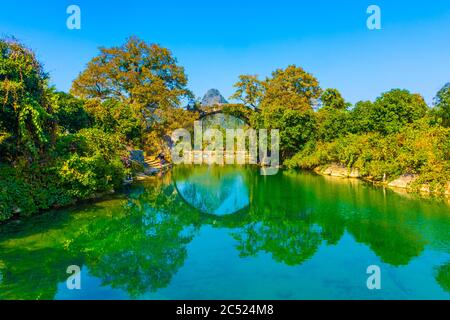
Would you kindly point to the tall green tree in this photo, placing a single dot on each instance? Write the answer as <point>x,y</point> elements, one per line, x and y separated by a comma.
<point>332,98</point>
<point>360,118</point>
<point>393,109</point>
<point>26,122</point>
<point>442,105</point>
<point>70,113</point>
<point>389,113</point>
<point>333,116</point>
<point>285,101</point>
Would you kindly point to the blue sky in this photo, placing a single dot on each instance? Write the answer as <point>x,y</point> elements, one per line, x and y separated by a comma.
<point>216,41</point>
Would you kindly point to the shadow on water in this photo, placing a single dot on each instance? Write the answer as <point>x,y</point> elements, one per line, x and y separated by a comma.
<point>139,242</point>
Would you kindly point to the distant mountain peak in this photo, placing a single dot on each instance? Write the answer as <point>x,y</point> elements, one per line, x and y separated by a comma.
<point>213,97</point>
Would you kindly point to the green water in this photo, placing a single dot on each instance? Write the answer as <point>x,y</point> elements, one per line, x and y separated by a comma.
<point>230,233</point>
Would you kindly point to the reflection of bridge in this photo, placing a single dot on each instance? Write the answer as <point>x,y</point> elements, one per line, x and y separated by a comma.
<point>214,195</point>
<point>230,219</point>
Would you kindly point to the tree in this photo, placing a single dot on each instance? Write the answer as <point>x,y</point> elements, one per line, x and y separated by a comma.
<point>396,108</point>
<point>360,119</point>
<point>113,116</point>
<point>285,102</point>
<point>332,98</point>
<point>389,113</point>
<point>332,123</point>
<point>296,128</point>
<point>442,105</point>
<point>249,90</point>
<point>70,113</point>
<point>291,88</point>
<point>136,73</point>
<point>332,116</point>
<point>26,122</point>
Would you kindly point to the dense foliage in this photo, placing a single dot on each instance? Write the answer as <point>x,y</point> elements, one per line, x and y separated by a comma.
<point>391,137</point>
<point>57,148</point>
<point>26,125</point>
<point>394,135</point>
<point>141,84</point>
<point>442,106</point>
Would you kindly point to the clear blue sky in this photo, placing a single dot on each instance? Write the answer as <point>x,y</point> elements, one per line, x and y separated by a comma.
<point>218,40</point>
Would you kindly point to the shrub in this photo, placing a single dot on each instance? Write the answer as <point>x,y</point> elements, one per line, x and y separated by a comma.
<point>92,162</point>
<point>80,166</point>
<point>419,148</point>
<point>25,190</point>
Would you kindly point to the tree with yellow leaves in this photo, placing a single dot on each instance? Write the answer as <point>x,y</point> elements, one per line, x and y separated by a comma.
<point>291,88</point>
<point>144,76</point>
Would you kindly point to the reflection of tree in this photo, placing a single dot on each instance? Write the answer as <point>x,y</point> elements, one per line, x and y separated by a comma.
<point>393,244</point>
<point>443,276</point>
<point>281,227</point>
<point>33,257</point>
<point>214,190</point>
<point>292,214</point>
<point>139,244</point>
<point>35,279</point>
<point>142,247</point>
<point>136,245</point>
<point>289,242</point>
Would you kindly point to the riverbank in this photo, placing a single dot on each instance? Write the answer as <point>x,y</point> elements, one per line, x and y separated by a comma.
<point>405,182</point>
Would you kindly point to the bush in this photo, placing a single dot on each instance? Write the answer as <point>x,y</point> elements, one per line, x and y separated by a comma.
<point>419,148</point>
<point>70,113</point>
<point>26,190</point>
<point>81,166</point>
<point>92,162</point>
<point>83,177</point>
<point>389,113</point>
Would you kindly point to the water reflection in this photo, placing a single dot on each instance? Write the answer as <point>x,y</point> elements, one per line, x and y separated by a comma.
<point>212,191</point>
<point>138,243</point>
<point>443,276</point>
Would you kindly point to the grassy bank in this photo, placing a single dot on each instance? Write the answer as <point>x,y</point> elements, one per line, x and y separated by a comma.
<point>420,150</point>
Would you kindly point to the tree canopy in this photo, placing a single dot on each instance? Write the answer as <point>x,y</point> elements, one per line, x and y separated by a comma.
<point>136,73</point>
<point>26,101</point>
<point>291,88</point>
<point>332,98</point>
<point>442,105</point>
<point>249,90</point>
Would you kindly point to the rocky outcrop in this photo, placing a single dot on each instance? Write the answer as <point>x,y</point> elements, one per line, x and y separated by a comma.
<point>403,182</point>
<point>212,98</point>
<point>406,180</point>
<point>335,170</point>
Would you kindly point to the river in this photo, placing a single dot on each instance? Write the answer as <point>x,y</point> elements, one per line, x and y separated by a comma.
<point>231,233</point>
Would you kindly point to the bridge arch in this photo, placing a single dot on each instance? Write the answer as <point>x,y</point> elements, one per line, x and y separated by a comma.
<point>236,110</point>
